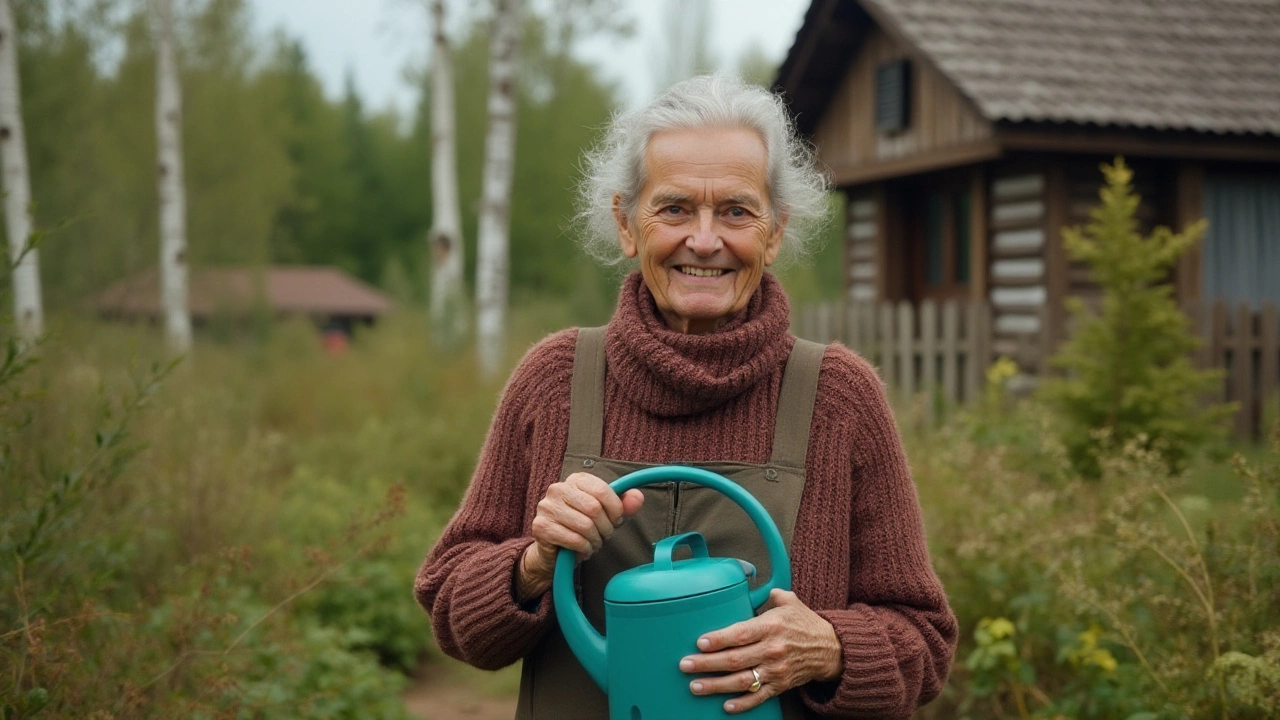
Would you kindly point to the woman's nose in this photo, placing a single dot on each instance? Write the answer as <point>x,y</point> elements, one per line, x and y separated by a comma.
<point>704,240</point>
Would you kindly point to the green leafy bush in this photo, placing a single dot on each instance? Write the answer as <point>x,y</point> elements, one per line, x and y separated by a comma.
<point>321,672</point>
<point>368,605</point>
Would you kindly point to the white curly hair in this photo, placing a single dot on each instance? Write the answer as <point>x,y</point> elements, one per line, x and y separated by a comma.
<point>616,166</point>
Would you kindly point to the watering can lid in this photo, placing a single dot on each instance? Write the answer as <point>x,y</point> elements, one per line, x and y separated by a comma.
<point>684,578</point>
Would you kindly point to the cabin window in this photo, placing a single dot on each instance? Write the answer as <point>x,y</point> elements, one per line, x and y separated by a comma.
<point>1241,248</point>
<point>935,240</point>
<point>962,246</point>
<point>944,242</point>
<point>893,96</point>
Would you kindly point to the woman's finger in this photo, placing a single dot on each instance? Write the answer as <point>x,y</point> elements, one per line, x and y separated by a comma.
<point>632,501</point>
<point>789,645</point>
<point>735,635</point>
<point>729,683</point>
<point>549,533</point>
<point>738,684</point>
<point>590,507</point>
<point>749,699</point>
<point>554,510</point>
<point>724,661</point>
<point>603,494</point>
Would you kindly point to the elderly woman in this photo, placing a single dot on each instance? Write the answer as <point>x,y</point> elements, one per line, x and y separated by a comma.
<point>703,189</point>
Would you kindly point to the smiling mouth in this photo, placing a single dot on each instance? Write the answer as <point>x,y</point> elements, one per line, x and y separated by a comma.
<point>701,272</point>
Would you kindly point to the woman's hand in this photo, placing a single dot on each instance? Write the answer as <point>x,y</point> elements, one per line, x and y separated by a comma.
<point>579,514</point>
<point>788,645</point>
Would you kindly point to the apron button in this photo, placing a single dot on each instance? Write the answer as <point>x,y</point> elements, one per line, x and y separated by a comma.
<point>770,474</point>
<point>588,463</point>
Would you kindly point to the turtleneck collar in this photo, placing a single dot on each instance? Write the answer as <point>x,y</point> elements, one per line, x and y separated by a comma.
<point>668,373</point>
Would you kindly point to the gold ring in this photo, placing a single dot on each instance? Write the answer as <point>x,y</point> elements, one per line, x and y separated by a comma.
<point>755,686</point>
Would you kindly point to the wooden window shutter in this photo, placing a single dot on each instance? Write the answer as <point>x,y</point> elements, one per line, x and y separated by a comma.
<point>893,96</point>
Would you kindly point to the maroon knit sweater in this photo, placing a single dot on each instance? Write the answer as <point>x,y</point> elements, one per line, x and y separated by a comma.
<point>858,554</point>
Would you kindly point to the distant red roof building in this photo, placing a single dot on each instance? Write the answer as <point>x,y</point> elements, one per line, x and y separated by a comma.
<point>325,294</point>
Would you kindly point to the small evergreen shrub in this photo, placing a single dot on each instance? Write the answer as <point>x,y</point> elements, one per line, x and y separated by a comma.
<point>1128,372</point>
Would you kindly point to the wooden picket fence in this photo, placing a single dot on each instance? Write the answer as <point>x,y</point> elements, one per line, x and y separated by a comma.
<point>942,351</point>
<point>938,350</point>
<point>1244,342</point>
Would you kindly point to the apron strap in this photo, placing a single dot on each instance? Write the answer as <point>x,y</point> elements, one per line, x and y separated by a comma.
<point>586,394</point>
<point>795,404</point>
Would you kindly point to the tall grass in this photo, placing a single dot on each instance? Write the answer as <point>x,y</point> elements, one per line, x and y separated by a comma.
<point>232,536</point>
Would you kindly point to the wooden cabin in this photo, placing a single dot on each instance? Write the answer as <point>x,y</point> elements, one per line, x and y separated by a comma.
<point>335,301</point>
<point>967,133</point>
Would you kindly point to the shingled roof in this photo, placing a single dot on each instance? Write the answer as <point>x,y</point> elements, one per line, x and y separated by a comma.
<point>285,290</point>
<point>1195,65</point>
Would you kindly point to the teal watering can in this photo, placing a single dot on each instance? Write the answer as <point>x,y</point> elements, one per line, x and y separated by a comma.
<point>655,613</point>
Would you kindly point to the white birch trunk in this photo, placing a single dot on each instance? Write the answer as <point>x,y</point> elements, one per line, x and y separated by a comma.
<point>495,216</point>
<point>27,306</point>
<point>448,313</point>
<point>173,200</point>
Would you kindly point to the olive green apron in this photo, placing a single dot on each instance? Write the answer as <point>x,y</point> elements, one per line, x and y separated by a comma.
<point>553,685</point>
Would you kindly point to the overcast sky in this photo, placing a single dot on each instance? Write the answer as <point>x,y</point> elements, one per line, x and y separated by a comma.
<point>377,40</point>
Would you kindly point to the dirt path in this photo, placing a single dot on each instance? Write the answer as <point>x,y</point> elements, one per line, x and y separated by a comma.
<point>456,692</point>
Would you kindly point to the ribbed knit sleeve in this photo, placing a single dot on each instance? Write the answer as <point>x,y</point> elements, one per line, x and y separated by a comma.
<point>897,630</point>
<point>466,582</point>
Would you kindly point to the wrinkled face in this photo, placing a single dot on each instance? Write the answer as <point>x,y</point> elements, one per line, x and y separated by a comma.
<point>703,229</point>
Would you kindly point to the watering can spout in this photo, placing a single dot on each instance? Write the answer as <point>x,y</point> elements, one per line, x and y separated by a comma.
<point>587,644</point>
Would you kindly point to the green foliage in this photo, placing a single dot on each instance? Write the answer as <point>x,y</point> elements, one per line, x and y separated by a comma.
<point>368,605</point>
<point>1147,596</point>
<point>994,661</point>
<point>1253,682</point>
<point>1128,368</point>
<point>320,673</point>
<point>166,553</point>
<point>278,172</point>
<point>561,107</point>
<point>224,574</point>
<point>32,529</point>
<point>818,278</point>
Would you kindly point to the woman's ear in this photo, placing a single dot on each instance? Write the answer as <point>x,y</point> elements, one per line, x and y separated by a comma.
<point>774,244</point>
<point>625,238</point>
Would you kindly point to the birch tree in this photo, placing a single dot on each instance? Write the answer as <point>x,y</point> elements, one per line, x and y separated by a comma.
<point>173,203</point>
<point>448,315</point>
<point>23,258</point>
<point>685,49</point>
<point>492,254</point>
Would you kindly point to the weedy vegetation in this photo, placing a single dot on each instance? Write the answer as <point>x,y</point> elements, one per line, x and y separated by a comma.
<point>231,535</point>
<point>1108,555</point>
<point>235,535</point>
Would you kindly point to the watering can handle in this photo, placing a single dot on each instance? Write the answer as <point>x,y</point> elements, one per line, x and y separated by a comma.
<point>778,560</point>
<point>665,547</point>
<point>589,645</point>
